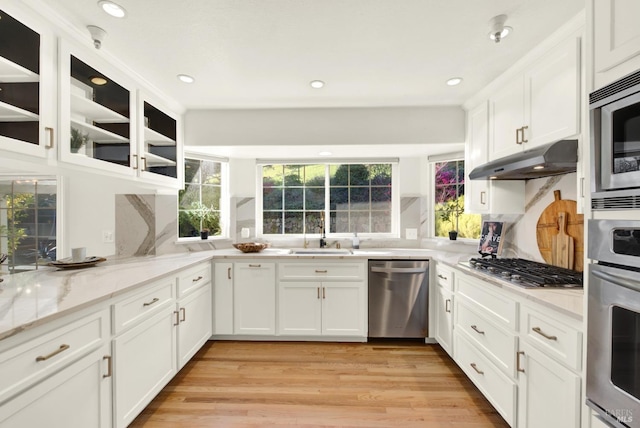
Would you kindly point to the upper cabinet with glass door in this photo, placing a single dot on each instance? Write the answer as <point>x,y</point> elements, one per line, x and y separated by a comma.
<point>26,83</point>
<point>96,105</point>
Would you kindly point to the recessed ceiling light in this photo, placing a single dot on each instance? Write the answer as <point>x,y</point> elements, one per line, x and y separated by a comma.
<point>538,167</point>
<point>325,153</point>
<point>98,80</point>
<point>316,84</point>
<point>112,8</point>
<point>186,78</point>
<point>454,81</point>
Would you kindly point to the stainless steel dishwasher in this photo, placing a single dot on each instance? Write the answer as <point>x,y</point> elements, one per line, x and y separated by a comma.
<point>398,298</point>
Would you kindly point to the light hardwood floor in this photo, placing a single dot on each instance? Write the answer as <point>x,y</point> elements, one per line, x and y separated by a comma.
<point>302,384</point>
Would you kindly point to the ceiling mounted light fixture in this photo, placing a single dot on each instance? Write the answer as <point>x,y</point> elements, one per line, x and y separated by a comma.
<point>98,80</point>
<point>316,84</point>
<point>454,81</point>
<point>113,9</point>
<point>185,78</point>
<point>97,35</point>
<point>498,30</point>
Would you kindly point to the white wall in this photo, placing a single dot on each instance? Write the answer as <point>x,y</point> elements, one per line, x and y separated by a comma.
<point>328,126</point>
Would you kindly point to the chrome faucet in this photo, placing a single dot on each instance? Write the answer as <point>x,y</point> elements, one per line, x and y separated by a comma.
<point>323,238</point>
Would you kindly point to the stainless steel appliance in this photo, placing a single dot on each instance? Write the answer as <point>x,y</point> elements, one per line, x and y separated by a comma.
<point>398,298</point>
<point>615,144</point>
<point>613,343</point>
<point>527,273</point>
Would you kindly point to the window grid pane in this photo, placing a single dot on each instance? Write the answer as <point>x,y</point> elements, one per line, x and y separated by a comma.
<point>449,202</point>
<point>199,203</point>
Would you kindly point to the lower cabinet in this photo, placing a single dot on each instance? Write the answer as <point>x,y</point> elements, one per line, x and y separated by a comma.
<point>549,394</point>
<point>194,314</point>
<point>321,308</point>
<point>444,319</point>
<point>223,298</point>
<point>77,396</point>
<point>254,298</point>
<point>145,360</point>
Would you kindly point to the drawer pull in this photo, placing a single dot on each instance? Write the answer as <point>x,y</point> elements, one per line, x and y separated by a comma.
<point>184,314</point>
<point>109,366</point>
<point>62,348</point>
<point>196,279</point>
<point>518,367</point>
<point>442,277</point>
<point>475,328</point>
<point>473,366</point>
<point>155,300</point>
<point>228,273</point>
<point>255,266</point>
<point>447,305</point>
<point>543,334</point>
<point>321,271</point>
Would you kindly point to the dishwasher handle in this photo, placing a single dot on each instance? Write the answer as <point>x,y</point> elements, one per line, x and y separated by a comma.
<point>398,270</point>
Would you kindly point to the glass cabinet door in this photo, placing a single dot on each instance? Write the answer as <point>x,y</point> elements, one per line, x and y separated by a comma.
<point>22,86</point>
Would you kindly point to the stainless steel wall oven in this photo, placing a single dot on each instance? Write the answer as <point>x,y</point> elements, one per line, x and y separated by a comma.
<point>615,144</point>
<point>613,344</point>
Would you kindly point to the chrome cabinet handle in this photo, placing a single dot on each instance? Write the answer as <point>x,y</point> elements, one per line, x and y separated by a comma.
<point>475,367</point>
<point>49,130</point>
<point>483,198</point>
<point>135,164</point>
<point>321,271</point>
<point>318,292</point>
<point>324,296</point>
<point>196,279</point>
<point>155,300</point>
<point>518,366</point>
<point>523,139</point>
<point>62,348</point>
<point>255,266</point>
<point>144,163</point>
<point>228,273</point>
<point>518,135</point>
<point>184,314</point>
<point>109,366</point>
<point>447,305</point>
<point>442,277</point>
<point>543,334</point>
<point>177,314</point>
<point>475,328</point>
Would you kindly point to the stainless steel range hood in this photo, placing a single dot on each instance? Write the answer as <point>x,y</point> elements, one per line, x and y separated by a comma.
<point>556,158</point>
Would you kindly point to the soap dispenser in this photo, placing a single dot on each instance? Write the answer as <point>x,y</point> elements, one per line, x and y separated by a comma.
<point>355,241</point>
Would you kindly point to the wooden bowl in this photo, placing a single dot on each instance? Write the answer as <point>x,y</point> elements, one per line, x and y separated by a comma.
<point>251,247</point>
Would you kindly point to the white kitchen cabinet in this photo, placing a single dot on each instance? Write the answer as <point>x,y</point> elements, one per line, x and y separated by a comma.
<point>444,307</point>
<point>223,298</point>
<point>548,393</point>
<point>77,396</point>
<point>144,362</point>
<point>322,298</point>
<point>194,329</point>
<point>254,298</point>
<point>540,106</point>
<point>27,82</point>
<point>616,39</point>
<point>487,196</point>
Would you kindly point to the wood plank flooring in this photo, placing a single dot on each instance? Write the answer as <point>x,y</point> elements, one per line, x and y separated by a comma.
<point>309,384</point>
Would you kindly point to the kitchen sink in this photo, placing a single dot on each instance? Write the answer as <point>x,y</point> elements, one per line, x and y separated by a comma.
<point>321,251</point>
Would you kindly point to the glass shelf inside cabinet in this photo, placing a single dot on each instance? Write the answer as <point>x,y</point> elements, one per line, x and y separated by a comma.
<point>160,148</point>
<point>100,125</point>
<point>19,81</point>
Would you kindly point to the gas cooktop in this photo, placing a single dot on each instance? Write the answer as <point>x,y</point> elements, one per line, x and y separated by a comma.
<point>527,273</point>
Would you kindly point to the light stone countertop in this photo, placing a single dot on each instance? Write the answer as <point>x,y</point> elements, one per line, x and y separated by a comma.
<point>33,298</point>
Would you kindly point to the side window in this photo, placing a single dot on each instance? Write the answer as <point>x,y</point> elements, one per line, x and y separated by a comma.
<point>449,202</point>
<point>200,204</point>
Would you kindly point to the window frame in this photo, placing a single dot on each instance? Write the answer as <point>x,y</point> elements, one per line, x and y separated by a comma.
<point>225,208</point>
<point>395,199</point>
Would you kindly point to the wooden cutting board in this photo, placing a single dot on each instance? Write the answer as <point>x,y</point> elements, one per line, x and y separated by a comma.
<point>548,232</point>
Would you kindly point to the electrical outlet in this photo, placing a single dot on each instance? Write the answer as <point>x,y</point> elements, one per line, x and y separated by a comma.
<point>107,236</point>
<point>411,233</point>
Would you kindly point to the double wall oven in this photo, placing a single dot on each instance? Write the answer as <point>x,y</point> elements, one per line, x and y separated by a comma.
<point>613,344</point>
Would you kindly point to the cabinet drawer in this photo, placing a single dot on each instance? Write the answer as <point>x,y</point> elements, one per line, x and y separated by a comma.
<point>193,278</point>
<point>495,385</point>
<point>36,359</point>
<point>495,341</point>
<point>494,304</point>
<point>322,271</point>
<point>136,308</point>
<point>444,276</point>
<point>552,336</point>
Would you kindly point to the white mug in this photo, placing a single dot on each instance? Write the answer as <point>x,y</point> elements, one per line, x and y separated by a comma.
<point>78,254</point>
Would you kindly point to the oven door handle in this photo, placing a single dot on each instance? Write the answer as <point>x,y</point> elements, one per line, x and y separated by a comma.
<point>618,280</point>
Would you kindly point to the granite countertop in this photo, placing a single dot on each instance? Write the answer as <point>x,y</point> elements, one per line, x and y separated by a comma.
<point>33,298</point>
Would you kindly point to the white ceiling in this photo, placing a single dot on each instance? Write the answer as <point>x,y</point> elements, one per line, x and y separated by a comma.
<point>370,53</point>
